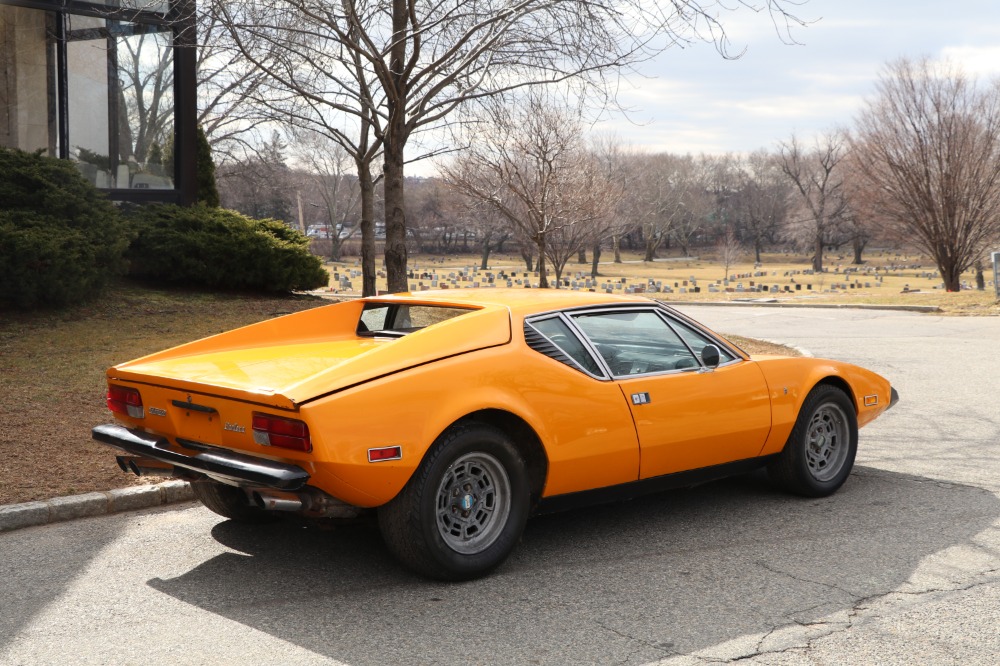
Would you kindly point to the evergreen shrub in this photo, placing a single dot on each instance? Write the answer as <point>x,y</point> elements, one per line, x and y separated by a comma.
<point>61,240</point>
<point>219,248</point>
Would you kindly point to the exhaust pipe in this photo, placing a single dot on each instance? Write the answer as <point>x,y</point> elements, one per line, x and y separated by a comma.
<point>278,501</point>
<point>145,466</point>
<point>310,502</point>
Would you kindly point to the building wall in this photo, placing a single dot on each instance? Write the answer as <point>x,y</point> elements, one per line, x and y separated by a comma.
<point>25,118</point>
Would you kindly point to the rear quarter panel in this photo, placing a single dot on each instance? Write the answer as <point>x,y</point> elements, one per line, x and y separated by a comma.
<point>584,425</point>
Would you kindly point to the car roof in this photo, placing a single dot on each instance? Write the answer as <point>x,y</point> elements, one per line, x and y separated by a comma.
<point>523,302</point>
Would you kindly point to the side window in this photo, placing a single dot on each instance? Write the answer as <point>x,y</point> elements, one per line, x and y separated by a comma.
<point>373,319</point>
<point>559,334</point>
<point>636,342</point>
<point>697,342</point>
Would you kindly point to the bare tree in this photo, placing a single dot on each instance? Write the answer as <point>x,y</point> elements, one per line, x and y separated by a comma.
<point>259,185</point>
<point>730,248</point>
<point>929,144</point>
<point>817,178</point>
<point>659,196</point>
<point>529,161</point>
<point>762,199</point>
<point>327,164</point>
<point>228,85</point>
<point>405,66</point>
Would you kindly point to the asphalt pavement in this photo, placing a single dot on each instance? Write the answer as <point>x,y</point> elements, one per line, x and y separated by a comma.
<point>901,566</point>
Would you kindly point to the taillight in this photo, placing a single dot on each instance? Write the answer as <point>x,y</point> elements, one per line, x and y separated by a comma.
<point>126,401</point>
<point>283,433</point>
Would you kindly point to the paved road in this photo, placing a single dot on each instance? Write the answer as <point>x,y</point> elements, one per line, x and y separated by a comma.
<point>901,566</point>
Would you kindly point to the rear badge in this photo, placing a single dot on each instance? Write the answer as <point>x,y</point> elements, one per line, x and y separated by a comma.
<point>232,427</point>
<point>640,398</point>
<point>156,411</point>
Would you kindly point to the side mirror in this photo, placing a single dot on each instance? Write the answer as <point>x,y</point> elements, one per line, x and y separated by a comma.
<point>710,356</point>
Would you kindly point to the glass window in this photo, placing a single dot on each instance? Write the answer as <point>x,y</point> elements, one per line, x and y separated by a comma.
<point>121,103</point>
<point>698,341</point>
<point>636,342</point>
<point>396,319</point>
<point>559,334</point>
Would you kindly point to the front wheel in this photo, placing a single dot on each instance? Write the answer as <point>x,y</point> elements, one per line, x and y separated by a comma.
<point>464,509</point>
<point>819,453</point>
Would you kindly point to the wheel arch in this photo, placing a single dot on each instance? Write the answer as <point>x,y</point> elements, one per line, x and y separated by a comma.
<point>523,437</point>
<point>839,382</point>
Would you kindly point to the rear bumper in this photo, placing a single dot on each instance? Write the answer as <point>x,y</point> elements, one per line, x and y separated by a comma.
<point>220,464</point>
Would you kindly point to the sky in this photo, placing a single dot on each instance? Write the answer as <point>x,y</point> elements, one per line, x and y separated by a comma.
<point>691,100</point>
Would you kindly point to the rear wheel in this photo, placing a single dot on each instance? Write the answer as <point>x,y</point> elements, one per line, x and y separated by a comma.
<point>464,509</point>
<point>229,501</point>
<point>819,454</point>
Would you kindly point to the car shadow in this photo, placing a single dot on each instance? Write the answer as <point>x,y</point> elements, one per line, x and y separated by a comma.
<point>667,574</point>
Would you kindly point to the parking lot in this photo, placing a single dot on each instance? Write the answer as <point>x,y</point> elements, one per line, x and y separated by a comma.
<point>901,566</point>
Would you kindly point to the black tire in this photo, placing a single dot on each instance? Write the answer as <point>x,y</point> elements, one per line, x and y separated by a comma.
<point>478,479</point>
<point>819,454</point>
<point>229,501</point>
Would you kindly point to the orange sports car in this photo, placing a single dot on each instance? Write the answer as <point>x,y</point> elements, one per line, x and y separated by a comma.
<point>457,414</point>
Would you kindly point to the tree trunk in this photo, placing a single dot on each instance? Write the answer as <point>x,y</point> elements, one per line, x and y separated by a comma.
<point>392,148</point>
<point>650,250</point>
<point>817,261</point>
<point>543,280</point>
<point>756,252</point>
<point>859,247</point>
<point>980,278</point>
<point>596,252</point>
<point>395,220</point>
<point>581,256</point>
<point>616,243</point>
<point>529,258</point>
<point>365,182</point>
<point>484,264</point>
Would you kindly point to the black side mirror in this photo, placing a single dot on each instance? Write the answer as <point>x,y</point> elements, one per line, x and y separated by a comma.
<point>710,356</point>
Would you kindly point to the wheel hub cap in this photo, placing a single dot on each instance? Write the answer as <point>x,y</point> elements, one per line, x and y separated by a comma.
<point>828,445</point>
<point>473,503</point>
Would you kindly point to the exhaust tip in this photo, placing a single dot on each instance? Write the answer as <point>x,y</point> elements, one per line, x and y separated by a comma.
<point>277,502</point>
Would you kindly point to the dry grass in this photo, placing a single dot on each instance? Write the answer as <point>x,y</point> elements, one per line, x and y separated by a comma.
<point>905,279</point>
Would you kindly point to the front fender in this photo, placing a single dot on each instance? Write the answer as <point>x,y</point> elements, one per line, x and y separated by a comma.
<point>790,380</point>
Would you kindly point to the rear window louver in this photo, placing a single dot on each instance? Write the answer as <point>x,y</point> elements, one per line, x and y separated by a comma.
<point>541,344</point>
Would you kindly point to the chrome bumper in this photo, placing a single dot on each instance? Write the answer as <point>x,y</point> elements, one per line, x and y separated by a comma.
<point>220,464</point>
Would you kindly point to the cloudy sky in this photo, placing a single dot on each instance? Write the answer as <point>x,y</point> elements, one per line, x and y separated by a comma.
<point>695,101</point>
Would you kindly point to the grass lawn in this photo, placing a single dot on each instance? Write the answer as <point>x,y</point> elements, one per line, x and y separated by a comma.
<point>886,278</point>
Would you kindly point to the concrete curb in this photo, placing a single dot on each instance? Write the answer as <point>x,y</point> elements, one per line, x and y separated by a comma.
<point>29,514</point>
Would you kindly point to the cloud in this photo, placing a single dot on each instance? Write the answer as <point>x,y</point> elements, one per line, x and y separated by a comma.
<point>980,61</point>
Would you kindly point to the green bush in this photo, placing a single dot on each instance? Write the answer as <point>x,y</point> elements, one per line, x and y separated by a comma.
<point>60,239</point>
<point>215,247</point>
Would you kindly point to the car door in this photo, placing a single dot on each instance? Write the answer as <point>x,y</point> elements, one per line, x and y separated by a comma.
<point>687,415</point>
